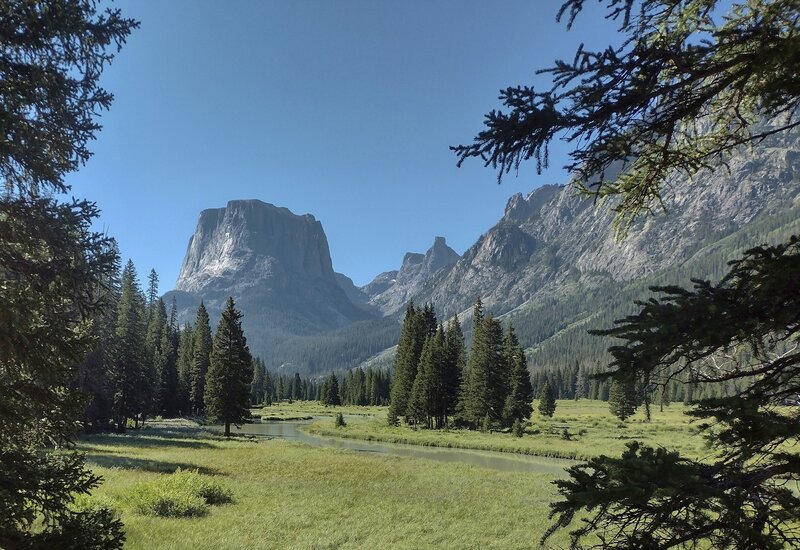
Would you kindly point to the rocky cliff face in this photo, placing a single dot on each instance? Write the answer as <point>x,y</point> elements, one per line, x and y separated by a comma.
<point>550,236</point>
<point>391,290</point>
<point>275,264</point>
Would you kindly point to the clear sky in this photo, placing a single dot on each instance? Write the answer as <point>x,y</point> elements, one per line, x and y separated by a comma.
<point>342,109</point>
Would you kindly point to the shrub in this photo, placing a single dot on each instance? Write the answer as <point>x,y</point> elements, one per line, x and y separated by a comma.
<point>186,493</point>
<point>338,421</point>
<point>518,429</point>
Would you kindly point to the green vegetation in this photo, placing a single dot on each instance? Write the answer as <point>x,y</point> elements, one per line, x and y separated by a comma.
<point>227,396</point>
<point>593,431</point>
<point>687,86</point>
<point>289,495</point>
<point>55,270</point>
<point>185,493</point>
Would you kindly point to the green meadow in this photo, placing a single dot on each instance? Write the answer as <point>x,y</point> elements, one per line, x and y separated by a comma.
<point>289,495</point>
<point>591,430</point>
<point>286,494</point>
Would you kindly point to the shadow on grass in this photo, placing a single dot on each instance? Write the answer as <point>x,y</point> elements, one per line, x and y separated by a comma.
<point>156,466</point>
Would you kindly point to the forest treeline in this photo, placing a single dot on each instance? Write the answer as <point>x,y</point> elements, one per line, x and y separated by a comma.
<point>435,380</point>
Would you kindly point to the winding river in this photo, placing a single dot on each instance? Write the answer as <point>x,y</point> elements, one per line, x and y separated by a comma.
<point>507,462</point>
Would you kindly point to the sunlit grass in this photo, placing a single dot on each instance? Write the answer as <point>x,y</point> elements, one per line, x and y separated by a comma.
<point>591,428</point>
<point>288,495</point>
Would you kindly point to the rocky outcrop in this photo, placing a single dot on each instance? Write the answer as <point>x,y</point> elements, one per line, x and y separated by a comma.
<point>275,264</point>
<point>391,290</point>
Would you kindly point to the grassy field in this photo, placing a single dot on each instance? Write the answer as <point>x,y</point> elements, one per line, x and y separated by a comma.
<point>591,427</point>
<point>288,495</point>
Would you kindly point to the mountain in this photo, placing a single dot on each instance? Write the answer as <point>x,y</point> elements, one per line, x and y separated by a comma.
<point>391,290</point>
<point>277,267</point>
<point>554,267</point>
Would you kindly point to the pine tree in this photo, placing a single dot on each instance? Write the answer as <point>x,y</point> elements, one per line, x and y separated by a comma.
<point>201,347</point>
<point>518,403</point>
<point>227,391</point>
<point>485,382</point>
<point>331,391</point>
<point>129,378</point>
<point>547,401</point>
<point>427,398</point>
<point>409,348</point>
<point>622,399</point>
<point>454,362</point>
<point>185,365</point>
<point>156,356</point>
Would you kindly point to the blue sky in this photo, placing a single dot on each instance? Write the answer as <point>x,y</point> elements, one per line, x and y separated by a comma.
<point>344,110</point>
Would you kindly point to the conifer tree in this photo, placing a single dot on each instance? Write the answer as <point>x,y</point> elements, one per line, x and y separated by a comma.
<point>331,393</point>
<point>486,380</point>
<point>227,391</point>
<point>425,404</point>
<point>201,351</point>
<point>518,402</point>
<point>454,363</point>
<point>168,367</point>
<point>409,348</point>
<point>156,356</point>
<point>130,361</point>
<point>185,365</point>
<point>547,400</point>
<point>257,387</point>
<point>622,399</point>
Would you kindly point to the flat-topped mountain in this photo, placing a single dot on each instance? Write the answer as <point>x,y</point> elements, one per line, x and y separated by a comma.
<point>275,264</point>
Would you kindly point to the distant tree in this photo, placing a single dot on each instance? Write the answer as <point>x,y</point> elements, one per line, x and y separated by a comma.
<point>297,387</point>
<point>547,401</point>
<point>486,381</point>
<point>455,359</point>
<point>409,349</point>
<point>622,399</point>
<point>331,392</point>
<point>517,405</point>
<point>156,357</point>
<point>129,378</point>
<point>227,391</point>
<point>185,366</point>
<point>152,294</point>
<point>201,350</point>
<point>427,403</point>
<point>257,387</point>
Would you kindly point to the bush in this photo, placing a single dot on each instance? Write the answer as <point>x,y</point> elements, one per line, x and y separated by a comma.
<point>185,493</point>
<point>338,421</point>
<point>518,429</point>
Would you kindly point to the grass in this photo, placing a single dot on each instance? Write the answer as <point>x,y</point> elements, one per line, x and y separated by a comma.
<point>289,495</point>
<point>591,427</point>
<point>305,410</point>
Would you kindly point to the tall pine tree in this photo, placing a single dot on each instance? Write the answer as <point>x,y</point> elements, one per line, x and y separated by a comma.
<point>518,402</point>
<point>201,350</point>
<point>227,391</point>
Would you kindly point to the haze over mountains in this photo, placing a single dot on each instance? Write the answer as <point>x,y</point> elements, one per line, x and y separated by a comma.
<point>551,264</point>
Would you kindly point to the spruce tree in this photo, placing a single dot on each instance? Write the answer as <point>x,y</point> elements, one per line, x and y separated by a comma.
<point>547,400</point>
<point>129,378</point>
<point>227,391</point>
<point>425,404</point>
<point>453,367</point>
<point>331,391</point>
<point>518,402</point>
<point>409,347</point>
<point>257,387</point>
<point>156,355</point>
<point>53,266</point>
<point>483,391</point>
<point>185,365</point>
<point>622,399</point>
<point>201,350</point>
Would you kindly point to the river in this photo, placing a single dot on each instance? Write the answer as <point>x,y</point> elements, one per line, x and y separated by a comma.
<point>506,462</point>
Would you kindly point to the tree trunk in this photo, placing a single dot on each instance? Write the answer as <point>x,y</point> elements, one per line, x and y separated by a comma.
<point>227,429</point>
